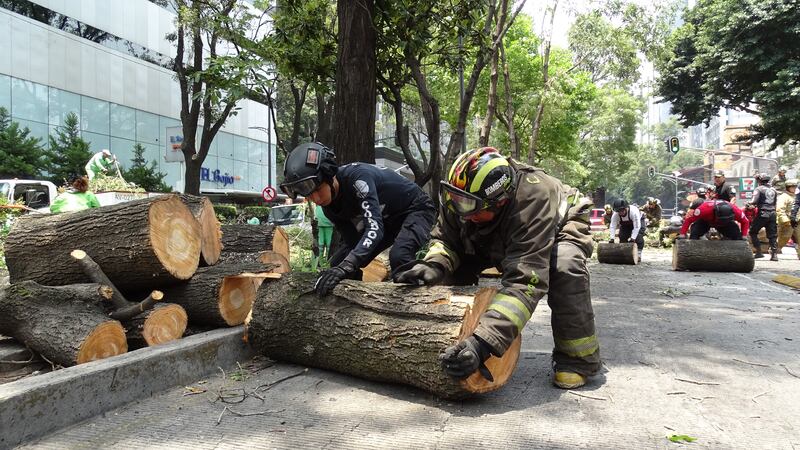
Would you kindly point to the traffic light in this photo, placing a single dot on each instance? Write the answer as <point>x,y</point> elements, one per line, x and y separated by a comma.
<point>651,171</point>
<point>674,144</point>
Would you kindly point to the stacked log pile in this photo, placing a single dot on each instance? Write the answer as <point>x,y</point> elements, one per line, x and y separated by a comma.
<point>73,274</point>
<point>267,244</point>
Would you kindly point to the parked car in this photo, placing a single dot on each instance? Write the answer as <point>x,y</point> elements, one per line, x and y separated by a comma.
<point>34,194</point>
<point>596,221</point>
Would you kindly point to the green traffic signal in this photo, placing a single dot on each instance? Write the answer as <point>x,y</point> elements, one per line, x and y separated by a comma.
<point>674,144</point>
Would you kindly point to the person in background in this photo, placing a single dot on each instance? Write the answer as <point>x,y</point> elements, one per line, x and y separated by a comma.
<point>324,234</point>
<point>778,182</point>
<point>75,198</point>
<point>673,229</point>
<point>101,163</point>
<point>722,190</point>
<point>765,199</point>
<point>721,215</point>
<point>652,212</point>
<point>787,223</point>
<point>607,216</point>
<point>630,222</point>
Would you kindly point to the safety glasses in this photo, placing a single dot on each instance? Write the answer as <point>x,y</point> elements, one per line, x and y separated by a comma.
<point>459,201</point>
<point>303,187</point>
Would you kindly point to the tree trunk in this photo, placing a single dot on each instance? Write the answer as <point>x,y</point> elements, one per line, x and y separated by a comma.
<point>166,322</point>
<point>141,245</point>
<point>354,110</point>
<point>512,133</point>
<point>210,231</point>
<point>378,269</point>
<point>64,324</point>
<point>491,106</point>
<point>384,332</point>
<point>191,177</point>
<point>537,121</point>
<point>624,253</point>
<point>254,239</point>
<point>712,256</point>
<point>220,295</point>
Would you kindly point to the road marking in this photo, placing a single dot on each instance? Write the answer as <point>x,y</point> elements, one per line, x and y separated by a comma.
<point>770,286</point>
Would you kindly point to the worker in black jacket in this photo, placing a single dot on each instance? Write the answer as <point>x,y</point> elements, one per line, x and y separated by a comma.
<point>722,190</point>
<point>765,199</point>
<point>371,208</point>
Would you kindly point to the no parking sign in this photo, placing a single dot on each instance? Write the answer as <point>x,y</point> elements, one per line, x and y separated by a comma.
<point>269,193</point>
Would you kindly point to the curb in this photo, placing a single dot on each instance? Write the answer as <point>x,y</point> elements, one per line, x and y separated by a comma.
<point>33,407</point>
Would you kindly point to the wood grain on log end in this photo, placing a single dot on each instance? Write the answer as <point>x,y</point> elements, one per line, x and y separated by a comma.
<point>107,339</point>
<point>165,323</point>
<point>211,232</point>
<point>278,259</point>
<point>175,237</point>
<point>236,298</point>
<point>280,242</point>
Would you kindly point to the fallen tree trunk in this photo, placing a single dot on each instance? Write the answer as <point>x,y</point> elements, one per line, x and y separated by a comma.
<point>166,322</point>
<point>385,332</point>
<point>141,245</point>
<point>254,239</point>
<point>712,256</point>
<point>623,253</point>
<point>65,324</point>
<point>220,295</point>
<point>210,230</point>
<point>278,262</point>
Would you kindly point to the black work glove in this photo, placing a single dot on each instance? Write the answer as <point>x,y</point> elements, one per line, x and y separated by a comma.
<point>793,222</point>
<point>463,359</point>
<point>611,241</point>
<point>422,272</point>
<point>329,278</point>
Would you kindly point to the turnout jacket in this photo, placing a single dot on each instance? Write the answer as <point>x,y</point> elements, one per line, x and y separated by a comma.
<point>706,212</point>
<point>784,208</point>
<point>369,201</point>
<point>633,216</point>
<point>519,243</point>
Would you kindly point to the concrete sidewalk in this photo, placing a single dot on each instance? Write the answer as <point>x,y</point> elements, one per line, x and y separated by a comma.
<point>712,356</point>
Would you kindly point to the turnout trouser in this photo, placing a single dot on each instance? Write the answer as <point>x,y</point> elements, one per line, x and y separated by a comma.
<point>786,232</point>
<point>768,222</point>
<point>729,230</point>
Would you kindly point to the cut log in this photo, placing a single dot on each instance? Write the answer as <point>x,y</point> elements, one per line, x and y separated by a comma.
<point>254,239</point>
<point>64,324</point>
<point>220,295</point>
<point>380,331</point>
<point>378,269</point>
<point>278,261</point>
<point>624,253</point>
<point>712,256</point>
<point>210,230</point>
<point>166,322</point>
<point>141,244</point>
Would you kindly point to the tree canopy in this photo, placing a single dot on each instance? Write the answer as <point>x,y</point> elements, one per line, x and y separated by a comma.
<point>21,155</point>
<point>739,54</point>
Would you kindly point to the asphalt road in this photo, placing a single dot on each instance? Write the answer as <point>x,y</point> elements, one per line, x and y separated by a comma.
<point>712,356</point>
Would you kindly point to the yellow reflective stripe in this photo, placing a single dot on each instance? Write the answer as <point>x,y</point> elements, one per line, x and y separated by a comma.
<point>481,175</point>
<point>439,248</point>
<point>512,308</point>
<point>578,347</point>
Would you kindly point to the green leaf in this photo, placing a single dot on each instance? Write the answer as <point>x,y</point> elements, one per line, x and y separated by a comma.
<point>681,438</point>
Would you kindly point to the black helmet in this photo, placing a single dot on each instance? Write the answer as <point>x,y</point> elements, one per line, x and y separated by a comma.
<point>306,167</point>
<point>763,178</point>
<point>619,204</point>
<point>702,192</point>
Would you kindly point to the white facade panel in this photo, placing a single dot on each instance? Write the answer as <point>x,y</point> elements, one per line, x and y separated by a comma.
<point>20,49</point>
<point>57,58</point>
<point>5,42</point>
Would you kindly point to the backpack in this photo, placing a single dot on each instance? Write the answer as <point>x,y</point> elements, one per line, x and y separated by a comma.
<point>723,212</point>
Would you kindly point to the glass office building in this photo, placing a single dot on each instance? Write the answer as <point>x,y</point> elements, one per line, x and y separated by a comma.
<point>108,62</point>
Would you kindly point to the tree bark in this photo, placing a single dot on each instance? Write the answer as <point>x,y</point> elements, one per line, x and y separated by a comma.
<point>491,106</point>
<point>354,110</point>
<point>65,324</point>
<point>220,295</point>
<point>623,253</point>
<point>384,332</point>
<point>254,239</point>
<point>512,132</point>
<point>537,121</point>
<point>141,245</point>
<point>712,256</point>
<point>210,231</point>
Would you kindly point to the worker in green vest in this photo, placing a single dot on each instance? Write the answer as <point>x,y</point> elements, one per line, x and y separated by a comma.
<point>101,163</point>
<point>324,234</point>
<point>76,198</point>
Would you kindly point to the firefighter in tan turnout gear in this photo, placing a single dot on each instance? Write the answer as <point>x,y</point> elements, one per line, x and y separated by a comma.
<point>496,212</point>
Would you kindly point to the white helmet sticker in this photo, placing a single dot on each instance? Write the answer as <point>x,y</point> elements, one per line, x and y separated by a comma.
<point>362,188</point>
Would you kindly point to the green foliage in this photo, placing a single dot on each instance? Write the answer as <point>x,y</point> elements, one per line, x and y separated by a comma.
<point>261,212</point>
<point>21,155</point>
<point>681,438</point>
<point>225,212</point>
<point>104,183</point>
<point>145,176</point>
<point>68,153</point>
<point>300,255</point>
<point>743,55</point>
<point>7,217</point>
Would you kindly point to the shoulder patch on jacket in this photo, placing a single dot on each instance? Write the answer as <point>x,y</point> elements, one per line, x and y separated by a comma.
<point>362,188</point>
<point>532,179</point>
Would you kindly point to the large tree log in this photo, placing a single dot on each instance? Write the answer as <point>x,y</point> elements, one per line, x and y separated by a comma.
<point>210,230</point>
<point>64,324</point>
<point>379,268</point>
<point>164,323</point>
<point>381,331</point>
<point>623,253</point>
<point>712,256</point>
<point>141,245</point>
<point>254,239</point>
<point>220,295</point>
<point>276,261</point>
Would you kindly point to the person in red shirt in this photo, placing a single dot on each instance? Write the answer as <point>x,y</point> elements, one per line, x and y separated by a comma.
<point>719,214</point>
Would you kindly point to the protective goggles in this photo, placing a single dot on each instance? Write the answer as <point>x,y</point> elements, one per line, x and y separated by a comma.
<point>461,202</point>
<point>303,187</point>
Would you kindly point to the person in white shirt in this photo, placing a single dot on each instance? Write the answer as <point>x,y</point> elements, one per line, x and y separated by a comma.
<point>630,222</point>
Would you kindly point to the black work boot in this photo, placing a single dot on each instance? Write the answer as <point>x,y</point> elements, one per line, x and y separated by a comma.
<point>758,254</point>
<point>773,254</point>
